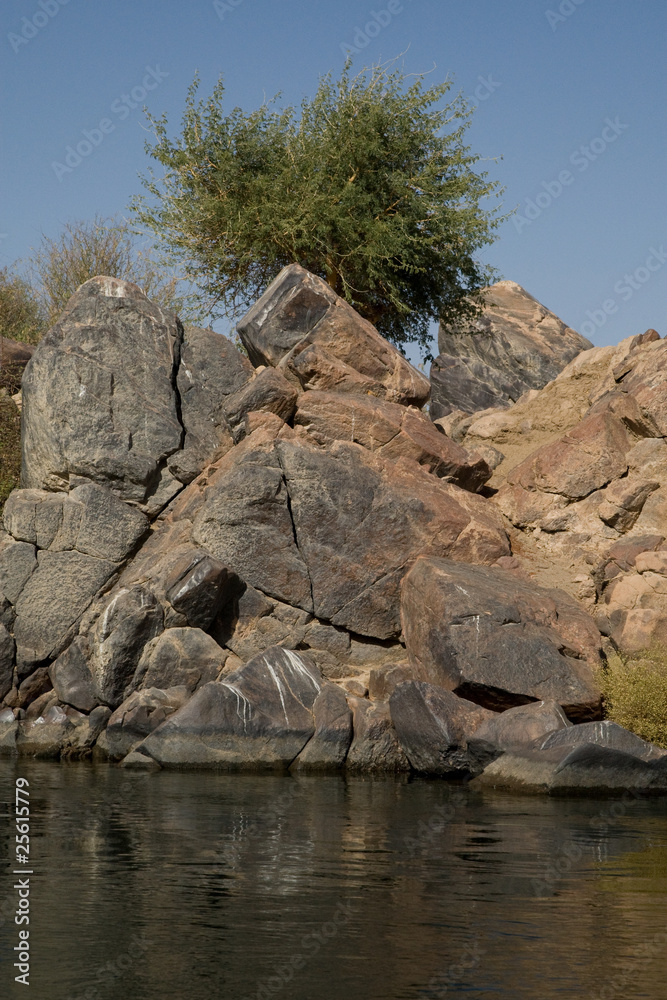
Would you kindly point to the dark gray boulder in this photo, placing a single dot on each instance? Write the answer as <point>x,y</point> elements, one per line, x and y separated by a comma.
<point>519,726</point>
<point>71,676</point>
<point>603,734</point>
<point>589,768</point>
<point>33,687</point>
<point>210,370</point>
<point>515,345</point>
<point>198,586</point>
<point>128,619</point>
<point>434,726</point>
<point>7,653</point>
<point>260,716</point>
<point>99,397</point>
<point>136,718</point>
<point>499,640</point>
<point>328,747</point>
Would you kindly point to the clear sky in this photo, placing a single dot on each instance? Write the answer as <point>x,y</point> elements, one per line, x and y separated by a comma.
<point>570,93</point>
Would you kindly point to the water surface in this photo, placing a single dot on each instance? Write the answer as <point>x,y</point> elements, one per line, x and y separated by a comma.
<point>201,886</point>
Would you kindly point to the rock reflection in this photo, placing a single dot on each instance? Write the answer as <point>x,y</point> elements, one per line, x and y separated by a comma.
<point>262,886</point>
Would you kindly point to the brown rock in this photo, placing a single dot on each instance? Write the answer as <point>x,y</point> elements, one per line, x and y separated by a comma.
<point>298,310</point>
<point>375,746</point>
<point>433,727</point>
<point>391,430</point>
<point>500,641</point>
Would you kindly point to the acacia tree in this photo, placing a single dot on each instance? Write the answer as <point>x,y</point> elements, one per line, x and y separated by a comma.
<point>368,185</point>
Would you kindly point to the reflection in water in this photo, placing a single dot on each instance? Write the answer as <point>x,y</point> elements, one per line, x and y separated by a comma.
<point>203,886</point>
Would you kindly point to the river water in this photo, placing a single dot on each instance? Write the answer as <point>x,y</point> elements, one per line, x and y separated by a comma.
<point>202,886</point>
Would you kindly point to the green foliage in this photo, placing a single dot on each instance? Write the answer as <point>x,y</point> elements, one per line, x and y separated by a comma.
<point>86,249</point>
<point>21,313</point>
<point>369,186</point>
<point>635,694</point>
<point>10,447</point>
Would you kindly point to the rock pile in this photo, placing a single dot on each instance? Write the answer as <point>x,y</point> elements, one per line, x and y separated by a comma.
<point>582,479</point>
<point>269,561</point>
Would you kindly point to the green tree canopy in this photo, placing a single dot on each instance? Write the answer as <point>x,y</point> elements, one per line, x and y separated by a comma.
<point>369,186</point>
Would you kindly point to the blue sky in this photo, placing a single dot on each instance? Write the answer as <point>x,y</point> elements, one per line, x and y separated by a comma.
<point>570,93</point>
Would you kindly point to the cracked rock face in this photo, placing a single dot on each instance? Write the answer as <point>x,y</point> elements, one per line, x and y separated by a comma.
<point>99,399</point>
<point>298,314</point>
<point>330,530</point>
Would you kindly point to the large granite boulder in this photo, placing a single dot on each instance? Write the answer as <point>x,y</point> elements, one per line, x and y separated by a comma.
<point>71,676</point>
<point>186,657</point>
<point>99,398</point>
<point>498,640</point>
<point>600,758</point>
<point>137,717</point>
<point>515,345</point>
<point>117,394</point>
<point>259,716</point>
<point>299,312</point>
<point>520,727</point>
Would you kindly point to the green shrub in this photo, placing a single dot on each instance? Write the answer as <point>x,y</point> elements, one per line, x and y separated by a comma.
<point>21,314</point>
<point>10,447</point>
<point>85,249</point>
<point>635,693</point>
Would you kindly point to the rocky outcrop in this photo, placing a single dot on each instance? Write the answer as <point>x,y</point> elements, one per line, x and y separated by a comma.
<point>583,482</point>
<point>514,346</point>
<point>211,564</point>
